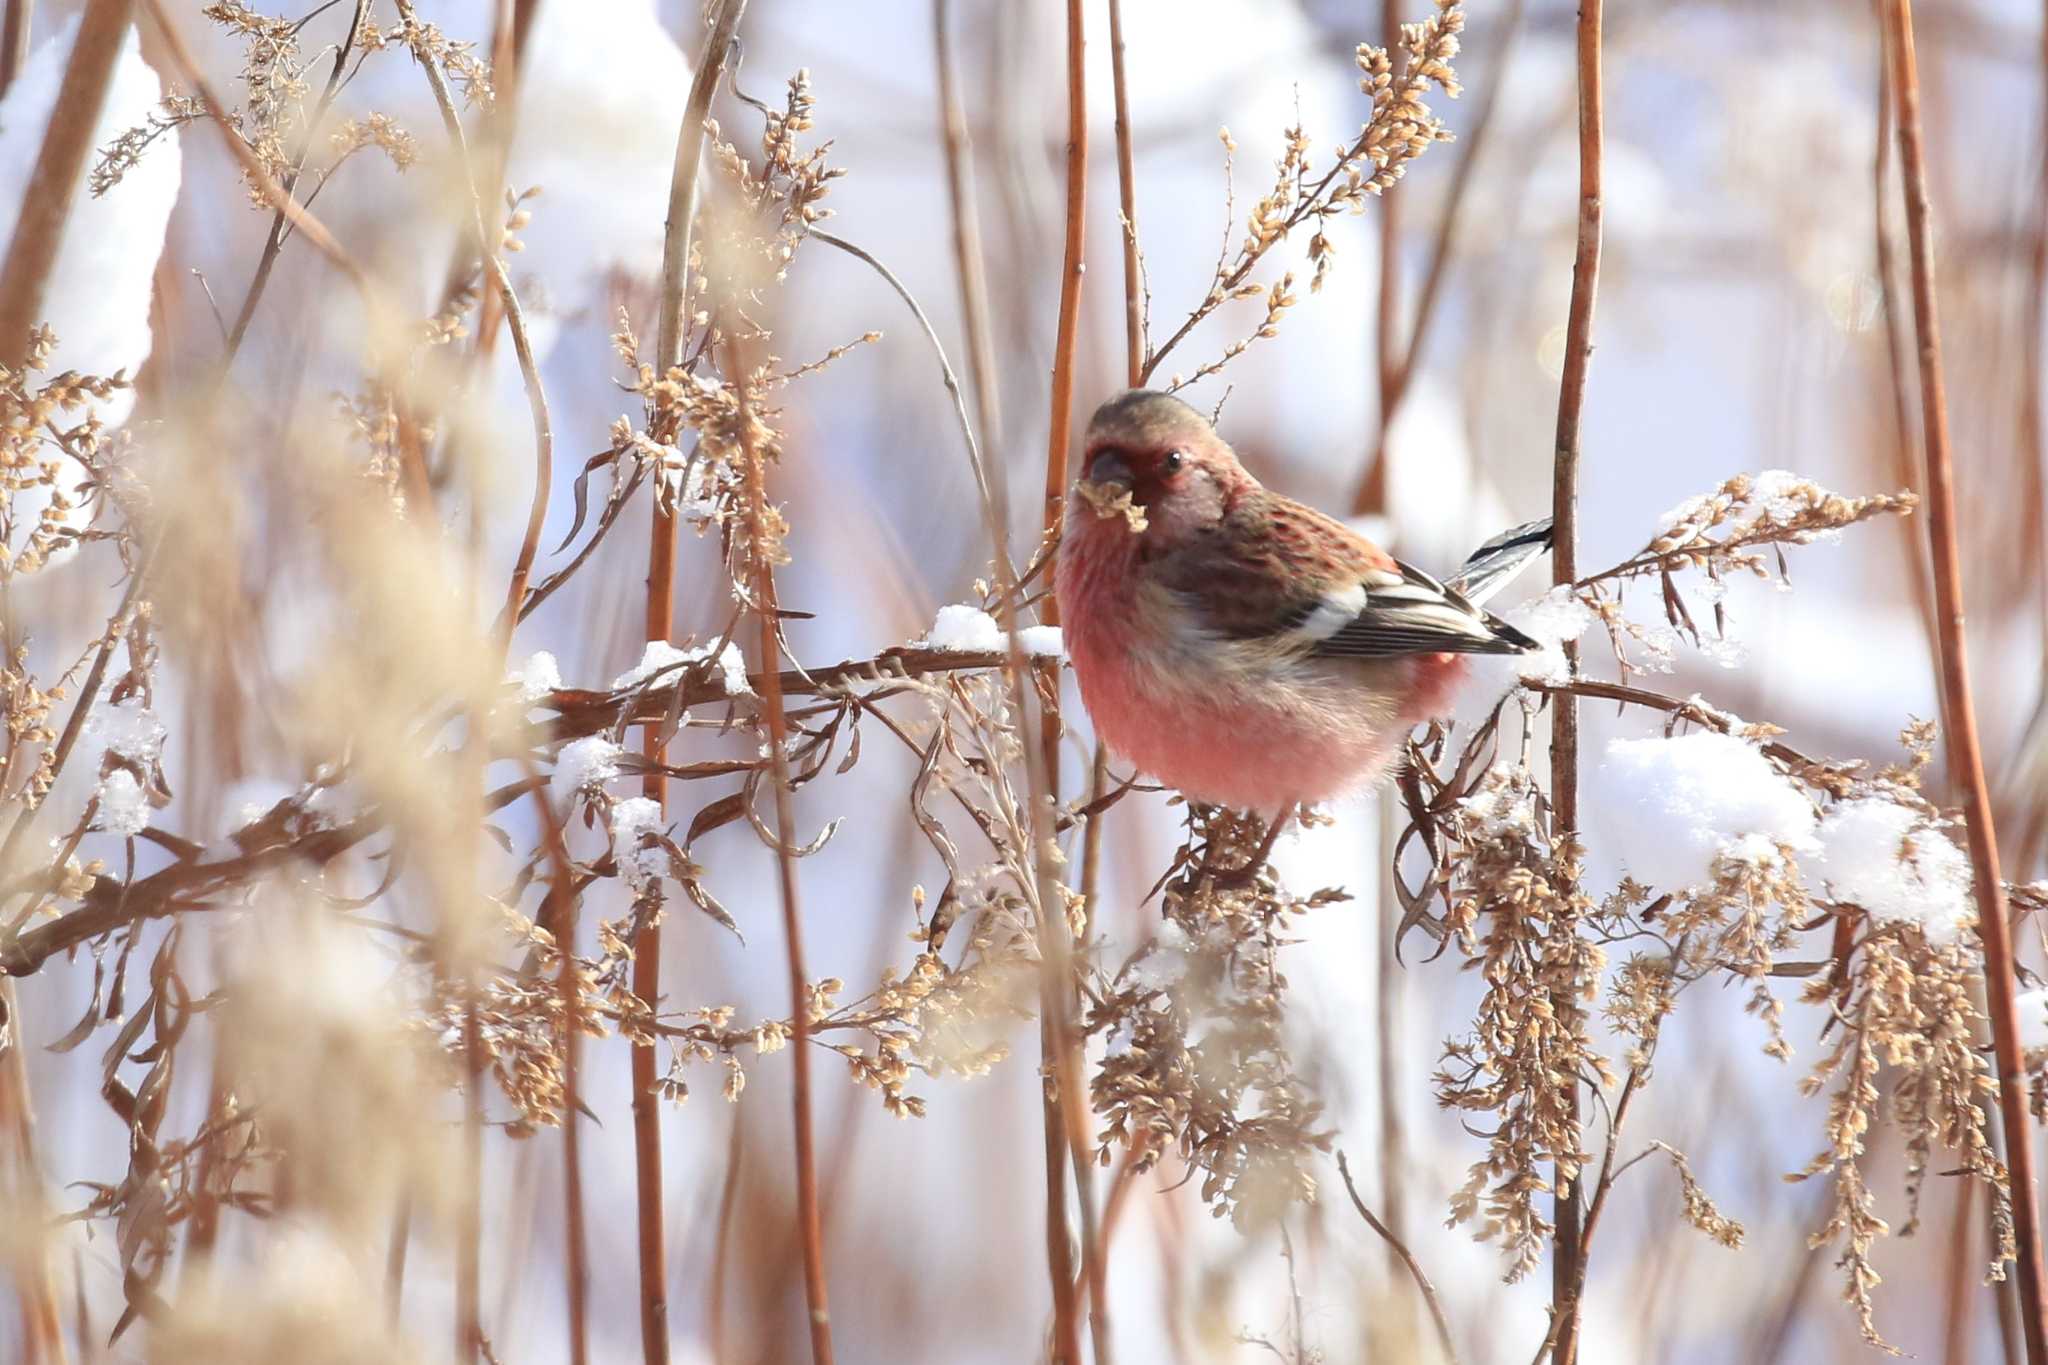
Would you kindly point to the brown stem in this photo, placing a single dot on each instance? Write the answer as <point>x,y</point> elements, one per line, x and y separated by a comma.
<point>972,279</point>
<point>1371,493</point>
<point>14,26</point>
<point>1965,760</point>
<point>559,917</point>
<point>661,594</point>
<point>1436,1308</point>
<point>1904,470</point>
<point>808,1225</point>
<point>187,70</point>
<point>1127,204</point>
<point>683,182</point>
<point>1065,1103</point>
<point>273,243</point>
<point>42,1339</point>
<point>1567,1267</point>
<point>522,346</point>
<point>1372,490</point>
<point>60,165</point>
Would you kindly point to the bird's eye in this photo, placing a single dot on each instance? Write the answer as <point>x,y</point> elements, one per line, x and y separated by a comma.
<point>1172,463</point>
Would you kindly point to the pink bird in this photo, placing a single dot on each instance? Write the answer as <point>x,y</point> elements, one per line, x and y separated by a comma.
<point>1243,647</point>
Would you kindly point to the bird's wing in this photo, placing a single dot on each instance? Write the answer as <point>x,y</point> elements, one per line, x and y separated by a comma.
<point>1279,572</point>
<point>1403,611</point>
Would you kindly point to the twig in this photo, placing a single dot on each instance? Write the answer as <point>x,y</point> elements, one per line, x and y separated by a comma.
<point>273,243</point>
<point>1065,1103</point>
<point>1436,1308</point>
<point>661,589</point>
<point>522,346</point>
<point>559,916</point>
<point>683,184</point>
<point>14,26</point>
<point>60,164</point>
<point>1567,1268</point>
<point>758,546</point>
<point>992,518</point>
<point>1371,493</point>
<point>301,218</point>
<point>1127,205</point>
<point>1904,469</point>
<point>972,279</point>
<point>1966,761</point>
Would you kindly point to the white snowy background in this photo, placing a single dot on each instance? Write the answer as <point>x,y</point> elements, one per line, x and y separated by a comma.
<point>1738,330</point>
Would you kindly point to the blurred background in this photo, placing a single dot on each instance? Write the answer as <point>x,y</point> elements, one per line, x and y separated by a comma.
<point>1741,326</point>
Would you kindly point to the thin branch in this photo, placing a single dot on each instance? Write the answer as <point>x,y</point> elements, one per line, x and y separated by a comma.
<point>273,243</point>
<point>683,184</point>
<point>1065,1103</point>
<point>515,316</point>
<point>661,589</point>
<point>14,27</point>
<point>1371,493</point>
<point>992,519</point>
<point>809,1228</point>
<point>973,283</point>
<point>1436,1308</point>
<point>1966,761</point>
<point>1567,1268</point>
<point>60,165</point>
<point>187,71</point>
<point>559,918</point>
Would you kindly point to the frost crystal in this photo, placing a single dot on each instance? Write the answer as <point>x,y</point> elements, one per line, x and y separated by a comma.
<point>130,730</point>
<point>641,863</point>
<point>1165,963</point>
<point>1889,859</point>
<point>537,677</point>
<point>662,657</point>
<point>1676,804</point>
<point>584,765</point>
<point>124,806</point>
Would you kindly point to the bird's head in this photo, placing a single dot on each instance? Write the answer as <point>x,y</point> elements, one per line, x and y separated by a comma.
<point>1155,464</point>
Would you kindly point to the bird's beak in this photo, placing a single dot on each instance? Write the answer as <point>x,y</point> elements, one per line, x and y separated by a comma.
<point>1108,468</point>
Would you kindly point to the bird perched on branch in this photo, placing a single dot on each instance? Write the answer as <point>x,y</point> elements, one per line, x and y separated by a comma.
<point>1240,646</point>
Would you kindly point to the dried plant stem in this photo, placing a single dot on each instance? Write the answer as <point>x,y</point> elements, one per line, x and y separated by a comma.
<point>560,919</point>
<point>1904,469</point>
<point>60,165</point>
<point>273,243</point>
<point>522,346</point>
<point>1127,205</point>
<point>187,70</point>
<point>42,1339</point>
<point>1966,761</point>
<point>14,26</point>
<point>661,591</point>
<point>1436,1308</point>
<point>993,518</point>
<point>661,601</point>
<point>1065,1099</point>
<point>1371,493</point>
<point>683,182</point>
<point>1568,1272</point>
<point>809,1227</point>
<point>970,273</point>
<point>1372,490</point>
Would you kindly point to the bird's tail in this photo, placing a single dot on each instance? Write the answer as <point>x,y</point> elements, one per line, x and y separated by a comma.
<point>1490,566</point>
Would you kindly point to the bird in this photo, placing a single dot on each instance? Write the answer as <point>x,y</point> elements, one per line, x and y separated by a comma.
<point>1243,647</point>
